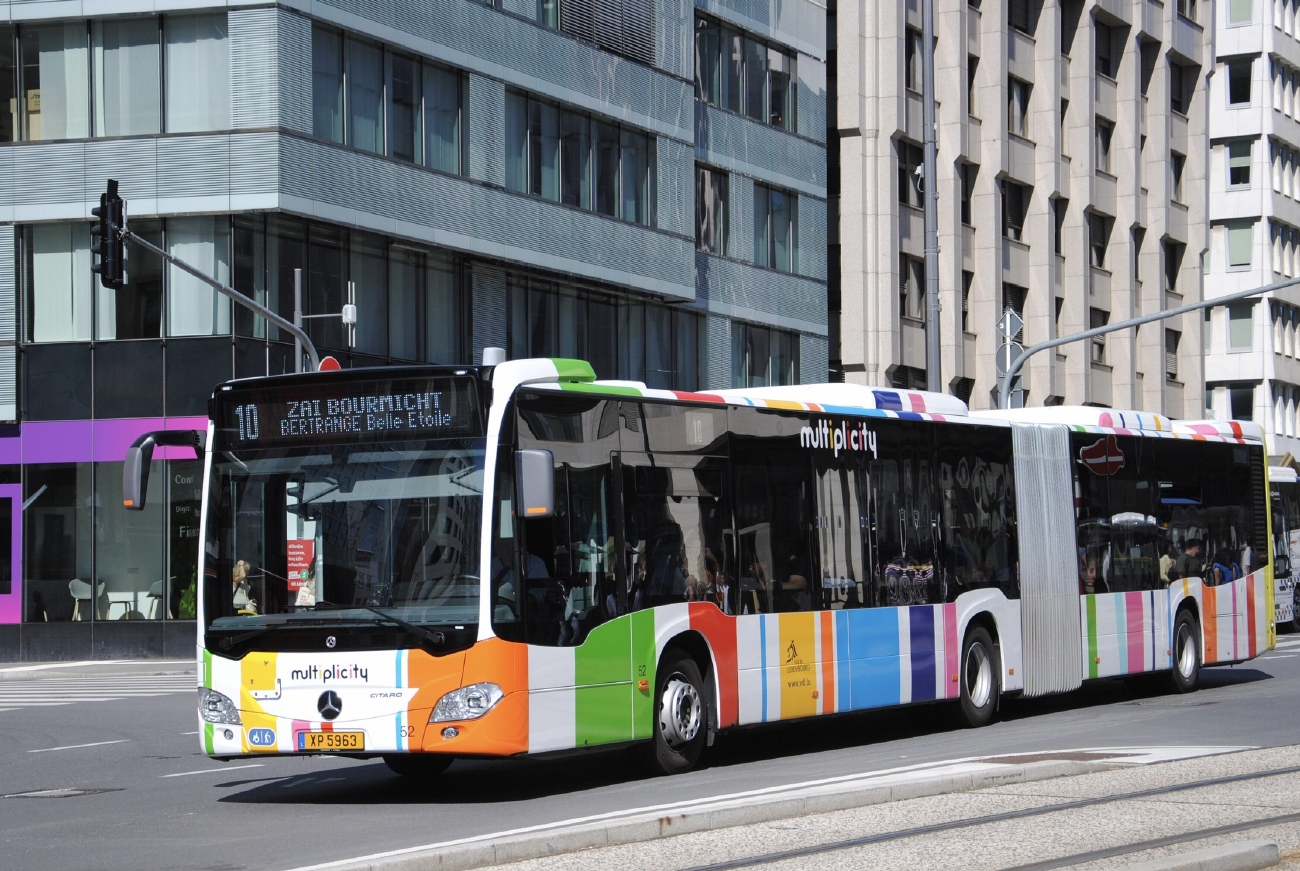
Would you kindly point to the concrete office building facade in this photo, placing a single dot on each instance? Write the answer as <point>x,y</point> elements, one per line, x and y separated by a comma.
<point>1252,350</point>
<point>1071,174</point>
<point>516,174</point>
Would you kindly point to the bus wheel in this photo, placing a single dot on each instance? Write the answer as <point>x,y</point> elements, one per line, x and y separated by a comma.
<point>418,766</point>
<point>1187,653</point>
<point>681,719</point>
<point>1295,608</point>
<point>979,678</point>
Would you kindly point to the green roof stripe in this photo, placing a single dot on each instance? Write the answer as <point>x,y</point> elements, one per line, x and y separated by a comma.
<point>603,389</point>
<point>573,370</point>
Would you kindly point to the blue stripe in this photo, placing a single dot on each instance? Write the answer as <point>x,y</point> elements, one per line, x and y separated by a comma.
<point>873,665</point>
<point>397,672</point>
<point>920,620</point>
<point>843,686</point>
<point>888,400</point>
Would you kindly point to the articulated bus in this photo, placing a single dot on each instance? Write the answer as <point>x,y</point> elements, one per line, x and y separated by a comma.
<point>427,563</point>
<point>1286,544</point>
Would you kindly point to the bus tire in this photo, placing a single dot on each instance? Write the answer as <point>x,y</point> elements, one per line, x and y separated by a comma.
<point>979,672</point>
<point>1187,653</point>
<point>681,716</point>
<point>418,766</point>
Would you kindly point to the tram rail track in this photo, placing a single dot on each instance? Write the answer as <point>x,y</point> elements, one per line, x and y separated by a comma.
<point>1038,811</point>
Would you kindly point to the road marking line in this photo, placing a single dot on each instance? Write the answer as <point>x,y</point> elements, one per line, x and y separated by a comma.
<point>1281,656</point>
<point>78,746</point>
<point>189,733</point>
<point>213,770</point>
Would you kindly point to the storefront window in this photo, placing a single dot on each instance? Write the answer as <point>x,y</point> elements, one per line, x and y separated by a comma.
<point>58,543</point>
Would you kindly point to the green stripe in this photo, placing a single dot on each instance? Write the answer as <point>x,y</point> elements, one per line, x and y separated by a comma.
<point>602,673</point>
<point>603,389</point>
<point>208,729</point>
<point>1093,665</point>
<point>573,370</point>
<point>207,670</point>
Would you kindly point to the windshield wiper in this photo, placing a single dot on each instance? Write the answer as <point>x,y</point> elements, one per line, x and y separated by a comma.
<point>433,640</point>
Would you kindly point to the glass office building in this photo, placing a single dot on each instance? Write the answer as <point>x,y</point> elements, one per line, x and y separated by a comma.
<point>641,184</point>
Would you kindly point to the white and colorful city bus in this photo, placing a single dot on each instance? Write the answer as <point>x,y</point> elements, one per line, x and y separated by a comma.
<point>427,563</point>
<point>1286,544</point>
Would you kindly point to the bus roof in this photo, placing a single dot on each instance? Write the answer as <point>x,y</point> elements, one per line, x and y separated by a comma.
<point>1281,475</point>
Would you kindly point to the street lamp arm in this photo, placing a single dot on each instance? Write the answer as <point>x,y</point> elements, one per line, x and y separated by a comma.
<point>247,302</point>
<point>1004,386</point>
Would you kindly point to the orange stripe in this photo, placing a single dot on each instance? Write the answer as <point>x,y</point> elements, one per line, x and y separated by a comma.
<point>828,662</point>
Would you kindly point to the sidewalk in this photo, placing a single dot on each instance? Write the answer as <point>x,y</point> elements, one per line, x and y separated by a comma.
<point>94,668</point>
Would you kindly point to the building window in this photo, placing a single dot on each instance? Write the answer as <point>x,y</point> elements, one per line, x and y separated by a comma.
<point>1172,253</point>
<point>1018,15</point>
<point>967,281</point>
<point>1239,163</point>
<point>972,67</point>
<point>625,27</point>
<point>1240,240</point>
<point>762,356</point>
<point>775,231</point>
<point>911,287</point>
<point>968,172</point>
<point>740,73</point>
<point>1242,402</point>
<point>1239,74</point>
<point>1105,49</point>
<point>1018,92</point>
<point>1099,227</point>
<point>1103,131</point>
<point>1187,9</point>
<point>711,199</point>
<point>109,77</point>
<point>579,160</point>
<point>1207,335</point>
<point>385,102</point>
<point>1177,162</point>
<point>1013,300</point>
<point>1059,207</point>
<point>1240,11</point>
<point>1241,323</point>
<point>1098,318</point>
<point>1172,340</point>
<point>910,183</point>
<point>912,60</point>
<point>1015,203</point>
<point>1182,83</point>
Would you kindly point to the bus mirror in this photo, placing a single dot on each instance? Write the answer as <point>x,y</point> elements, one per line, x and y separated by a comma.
<point>135,470</point>
<point>1281,566</point>
<point>534,483</point>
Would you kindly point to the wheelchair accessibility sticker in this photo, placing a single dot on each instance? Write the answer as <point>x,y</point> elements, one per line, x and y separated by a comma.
<point>261,737</point>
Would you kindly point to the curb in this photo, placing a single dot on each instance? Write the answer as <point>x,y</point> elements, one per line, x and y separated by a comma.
<point>571,836</point>
<point>1239,856</point>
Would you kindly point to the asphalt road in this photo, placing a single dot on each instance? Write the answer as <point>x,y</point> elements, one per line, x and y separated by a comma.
<point>97,783</point>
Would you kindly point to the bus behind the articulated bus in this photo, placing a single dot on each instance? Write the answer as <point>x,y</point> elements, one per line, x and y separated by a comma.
<point>435,562</point>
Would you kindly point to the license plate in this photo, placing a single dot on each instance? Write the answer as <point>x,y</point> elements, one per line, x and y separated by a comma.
<point>331,740</point>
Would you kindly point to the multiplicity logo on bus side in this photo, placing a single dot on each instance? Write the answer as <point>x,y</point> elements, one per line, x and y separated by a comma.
<point>842,436</point>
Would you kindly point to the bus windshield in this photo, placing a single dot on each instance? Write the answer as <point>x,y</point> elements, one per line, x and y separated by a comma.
<point>344,532</point>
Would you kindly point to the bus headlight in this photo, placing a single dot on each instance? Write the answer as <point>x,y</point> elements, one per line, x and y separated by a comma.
<point>466,703</point>
<point>216,708</point>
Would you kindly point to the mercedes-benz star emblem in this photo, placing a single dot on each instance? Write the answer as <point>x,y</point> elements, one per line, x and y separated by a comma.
<point>331,641</point>
<point>329,704</point>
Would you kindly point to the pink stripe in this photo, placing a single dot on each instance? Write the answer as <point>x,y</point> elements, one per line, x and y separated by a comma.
<point>1236,617</point>
<point>1137,646</point>
<point>917,401</point>
<point>951,651</point>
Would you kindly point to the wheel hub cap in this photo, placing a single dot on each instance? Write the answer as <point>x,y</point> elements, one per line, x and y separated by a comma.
<point>679,712</point>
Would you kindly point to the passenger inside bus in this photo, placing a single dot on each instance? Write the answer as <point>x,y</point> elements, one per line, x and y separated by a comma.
<point>1189,563</point>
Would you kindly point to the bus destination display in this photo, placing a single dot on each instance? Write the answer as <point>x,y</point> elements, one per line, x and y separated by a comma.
<point>348,412</point>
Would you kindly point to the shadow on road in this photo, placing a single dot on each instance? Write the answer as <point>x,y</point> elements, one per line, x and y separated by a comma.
<point>348,782</point>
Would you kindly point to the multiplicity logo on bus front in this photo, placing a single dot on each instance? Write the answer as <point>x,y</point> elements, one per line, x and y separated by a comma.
<point>842,436</point>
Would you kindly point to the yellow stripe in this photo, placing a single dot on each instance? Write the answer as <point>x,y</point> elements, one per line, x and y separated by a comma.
<point>784,403</point>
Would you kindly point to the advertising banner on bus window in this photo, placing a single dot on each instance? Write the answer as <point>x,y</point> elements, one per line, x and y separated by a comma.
<point>301,554</point>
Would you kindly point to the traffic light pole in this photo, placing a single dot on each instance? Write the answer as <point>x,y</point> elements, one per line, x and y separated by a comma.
<point>1004,386</point>
<point>284,323</point>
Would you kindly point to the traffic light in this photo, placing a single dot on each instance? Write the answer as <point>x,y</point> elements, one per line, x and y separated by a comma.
<point>107,245</point>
